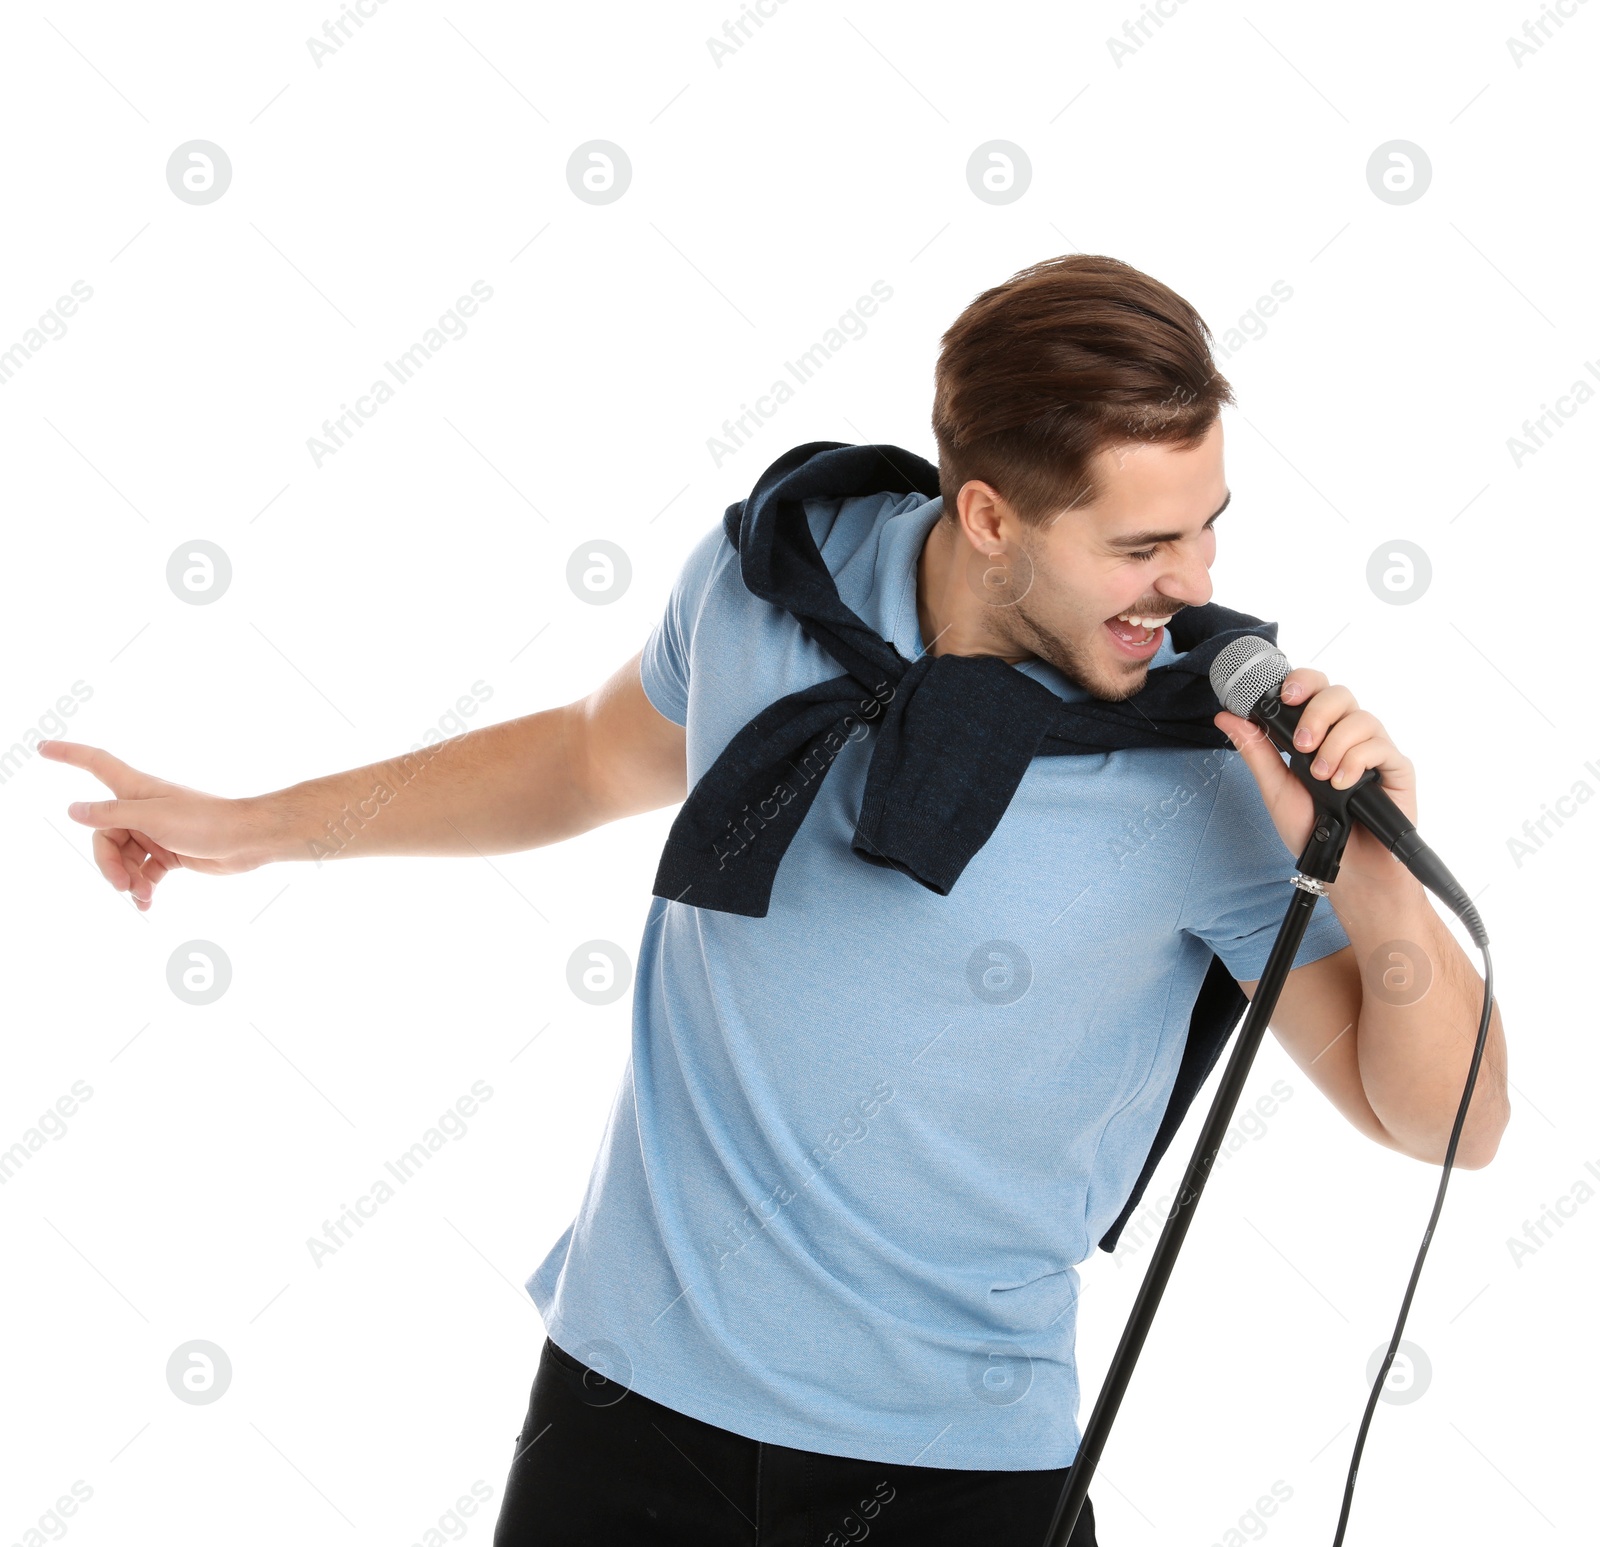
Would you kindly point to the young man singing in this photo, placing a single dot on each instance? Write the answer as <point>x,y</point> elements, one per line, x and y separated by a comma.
<point>967,866</point>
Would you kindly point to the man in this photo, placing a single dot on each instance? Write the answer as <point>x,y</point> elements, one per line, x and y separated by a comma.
<point>822,1281</point>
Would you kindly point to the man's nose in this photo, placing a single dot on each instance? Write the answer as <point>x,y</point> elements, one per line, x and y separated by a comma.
<point>1187,582</point>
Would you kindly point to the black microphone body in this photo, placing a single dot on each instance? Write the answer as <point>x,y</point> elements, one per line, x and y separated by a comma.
<point>1365,800</point>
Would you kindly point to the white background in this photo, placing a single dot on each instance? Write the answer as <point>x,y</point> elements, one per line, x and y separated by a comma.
<point>371,592</point>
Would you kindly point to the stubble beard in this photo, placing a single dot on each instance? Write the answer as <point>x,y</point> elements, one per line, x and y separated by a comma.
<point>1073,660</point>
<point>1023,629</point>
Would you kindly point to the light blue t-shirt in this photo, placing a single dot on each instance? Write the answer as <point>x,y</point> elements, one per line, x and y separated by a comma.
<point>861,1142</point>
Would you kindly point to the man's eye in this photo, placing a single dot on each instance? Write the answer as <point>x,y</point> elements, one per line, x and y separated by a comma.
<point>1141,554</point>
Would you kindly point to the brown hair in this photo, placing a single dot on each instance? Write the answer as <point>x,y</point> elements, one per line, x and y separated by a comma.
<point>1070,356</point>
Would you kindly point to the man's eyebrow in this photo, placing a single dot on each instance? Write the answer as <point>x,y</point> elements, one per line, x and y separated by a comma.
<point>1144,539</point>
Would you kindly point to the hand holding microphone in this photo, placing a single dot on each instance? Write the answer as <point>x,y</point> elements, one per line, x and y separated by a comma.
<point>1332,745</point>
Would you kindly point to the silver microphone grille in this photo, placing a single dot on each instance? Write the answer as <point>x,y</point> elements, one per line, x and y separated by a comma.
<point>1245,670</point>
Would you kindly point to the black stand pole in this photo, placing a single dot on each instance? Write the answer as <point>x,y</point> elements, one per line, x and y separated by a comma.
<point>1319,863</point>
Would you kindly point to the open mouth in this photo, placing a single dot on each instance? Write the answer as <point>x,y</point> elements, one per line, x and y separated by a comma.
<point>1137,635</point>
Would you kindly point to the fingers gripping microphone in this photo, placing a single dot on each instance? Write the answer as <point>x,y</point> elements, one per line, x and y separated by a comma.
<point>1246,677</point>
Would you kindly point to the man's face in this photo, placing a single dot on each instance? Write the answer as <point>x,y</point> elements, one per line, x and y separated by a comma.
<point>1108,576</point>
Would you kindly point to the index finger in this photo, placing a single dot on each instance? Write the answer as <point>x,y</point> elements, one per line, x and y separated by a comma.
<point>110,771</point>
<point>1300,684</point>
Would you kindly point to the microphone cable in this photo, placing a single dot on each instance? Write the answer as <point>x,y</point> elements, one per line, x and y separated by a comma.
<point>1246,674</point>
<point>1427,1237</point>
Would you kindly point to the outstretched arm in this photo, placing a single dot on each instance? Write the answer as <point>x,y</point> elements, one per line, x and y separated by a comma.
<point>515,785</point>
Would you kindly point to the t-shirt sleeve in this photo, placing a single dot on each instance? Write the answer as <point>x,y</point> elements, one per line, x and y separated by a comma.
<point>1239,888</point>
<point>664,666</point>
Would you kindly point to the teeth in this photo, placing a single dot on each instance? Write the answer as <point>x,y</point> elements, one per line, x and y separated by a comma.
<point>1138,622</point>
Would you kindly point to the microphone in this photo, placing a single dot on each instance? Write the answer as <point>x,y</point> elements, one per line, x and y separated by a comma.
<point>1246,676</point>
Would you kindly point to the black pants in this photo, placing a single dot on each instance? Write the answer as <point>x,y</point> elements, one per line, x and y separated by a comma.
<point>599,1464</point>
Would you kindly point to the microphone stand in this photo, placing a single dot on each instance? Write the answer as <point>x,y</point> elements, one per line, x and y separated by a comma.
<point>1317,865</point>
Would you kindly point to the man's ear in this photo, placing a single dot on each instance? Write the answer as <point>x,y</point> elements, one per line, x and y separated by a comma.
<point>982,515</point>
